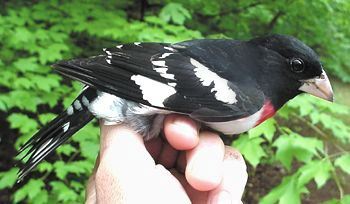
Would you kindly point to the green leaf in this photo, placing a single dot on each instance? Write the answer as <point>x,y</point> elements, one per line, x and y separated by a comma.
<point>344,200</point>
<point>174,12</point>
<point>8,178</point>
<point>267,128</point>
<point>63,192</point>
<point>287,192</point>
<point>77,167</point>
<point>211,8</point>
<point>295,146</point>
<point>21,36</point>
<point>23,83</point>
<point>51,98</point>
<point>26,64</point>
<point>250,148</point>
<point>89,149</point>
<point>22,122</point>
<point>44,118</point>
<point>343,162</point>
<point>30,190</point>
<point>46,83</point>
<point>319,170</point>
<point>66,149</point>
<point>27,101</point>
<point>41,198</point>
<point>52,52</point>
<point>45,166</point>
<point>77,186</point>
<point>87,133</point>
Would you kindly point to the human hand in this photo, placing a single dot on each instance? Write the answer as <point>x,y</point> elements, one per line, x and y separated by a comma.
<point>186,166</point>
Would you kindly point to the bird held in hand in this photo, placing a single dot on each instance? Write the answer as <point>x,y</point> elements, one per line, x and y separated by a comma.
<point>229,86</point>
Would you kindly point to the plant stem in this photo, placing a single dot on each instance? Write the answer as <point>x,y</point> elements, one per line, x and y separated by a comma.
<point>319,131</point>
<point>337,182</point>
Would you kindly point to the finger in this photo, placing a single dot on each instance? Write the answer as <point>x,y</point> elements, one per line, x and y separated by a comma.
<point>181,162</point>
<point>181,132</point>
<point>171,189</point>
<point>234,179</point>
<point>124,163</point>
<point>197,197</point>
<point>204,162</point>
<point>124,145</point>
<point>154,147</point>
<point>168,156</point>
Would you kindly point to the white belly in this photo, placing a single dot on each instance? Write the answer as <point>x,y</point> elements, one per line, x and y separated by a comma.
<point>236,126</point>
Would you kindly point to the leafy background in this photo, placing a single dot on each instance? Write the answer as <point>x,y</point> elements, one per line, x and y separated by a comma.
<point>300,156</point>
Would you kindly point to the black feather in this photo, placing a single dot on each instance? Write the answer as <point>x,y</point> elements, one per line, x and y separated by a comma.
<point>53,135</point>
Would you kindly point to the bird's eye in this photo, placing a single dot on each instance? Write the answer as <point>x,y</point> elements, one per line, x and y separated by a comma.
<point>297,65</point>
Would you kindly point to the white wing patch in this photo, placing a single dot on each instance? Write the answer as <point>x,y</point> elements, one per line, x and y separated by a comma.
<point>169,48</point>
<point>164,55</point>
<point>173,84</point>
<point>162,68</point>
<point>153,91</point>
<point>223,92</point>
<point>159,63</point>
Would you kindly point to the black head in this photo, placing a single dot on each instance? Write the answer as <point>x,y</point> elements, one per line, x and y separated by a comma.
<point>296,66</point>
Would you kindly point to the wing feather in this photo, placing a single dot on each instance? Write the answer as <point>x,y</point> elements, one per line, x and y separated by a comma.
<point>164,76</point>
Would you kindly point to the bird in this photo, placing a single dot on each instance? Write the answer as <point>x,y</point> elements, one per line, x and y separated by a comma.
<point>229,86</point>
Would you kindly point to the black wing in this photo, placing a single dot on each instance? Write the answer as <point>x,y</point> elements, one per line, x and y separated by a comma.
<point>177,77</point>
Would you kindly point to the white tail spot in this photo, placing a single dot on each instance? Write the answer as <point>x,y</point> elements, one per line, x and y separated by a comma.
<point>66,126</point>
<point>77,105</point>
<point>70,110</point>
<point>85,101</point>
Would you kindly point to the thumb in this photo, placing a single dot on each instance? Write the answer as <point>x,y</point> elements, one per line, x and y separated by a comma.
<point>124,164</point>
<point>123,149</point>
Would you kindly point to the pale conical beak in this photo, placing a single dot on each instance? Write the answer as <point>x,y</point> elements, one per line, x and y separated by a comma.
<point>318,86</point>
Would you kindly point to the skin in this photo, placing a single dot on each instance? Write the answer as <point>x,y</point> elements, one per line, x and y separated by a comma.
<point>184,166</point>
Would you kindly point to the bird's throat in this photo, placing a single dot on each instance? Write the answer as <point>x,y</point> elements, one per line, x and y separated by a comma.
<point>268,110</point>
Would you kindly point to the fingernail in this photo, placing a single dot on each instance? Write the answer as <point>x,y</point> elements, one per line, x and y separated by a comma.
<point>223,197</point>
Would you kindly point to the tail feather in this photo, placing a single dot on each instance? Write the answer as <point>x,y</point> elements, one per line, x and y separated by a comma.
<point>53,135</point>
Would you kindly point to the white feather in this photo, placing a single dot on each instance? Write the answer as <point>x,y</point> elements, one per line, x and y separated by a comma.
<point>153,91</point>
<point>223,92</point>
<point>236,126</point>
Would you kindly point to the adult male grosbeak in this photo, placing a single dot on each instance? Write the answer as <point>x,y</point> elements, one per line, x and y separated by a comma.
<point>228,85</point>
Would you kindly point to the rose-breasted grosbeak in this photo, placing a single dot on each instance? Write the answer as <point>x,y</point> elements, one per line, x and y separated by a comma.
<point>227,85</point>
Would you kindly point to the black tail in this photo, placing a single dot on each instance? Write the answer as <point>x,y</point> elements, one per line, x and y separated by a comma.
<point>56,132</point>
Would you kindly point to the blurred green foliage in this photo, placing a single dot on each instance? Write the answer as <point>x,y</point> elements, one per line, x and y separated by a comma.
<point>308,137</point>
